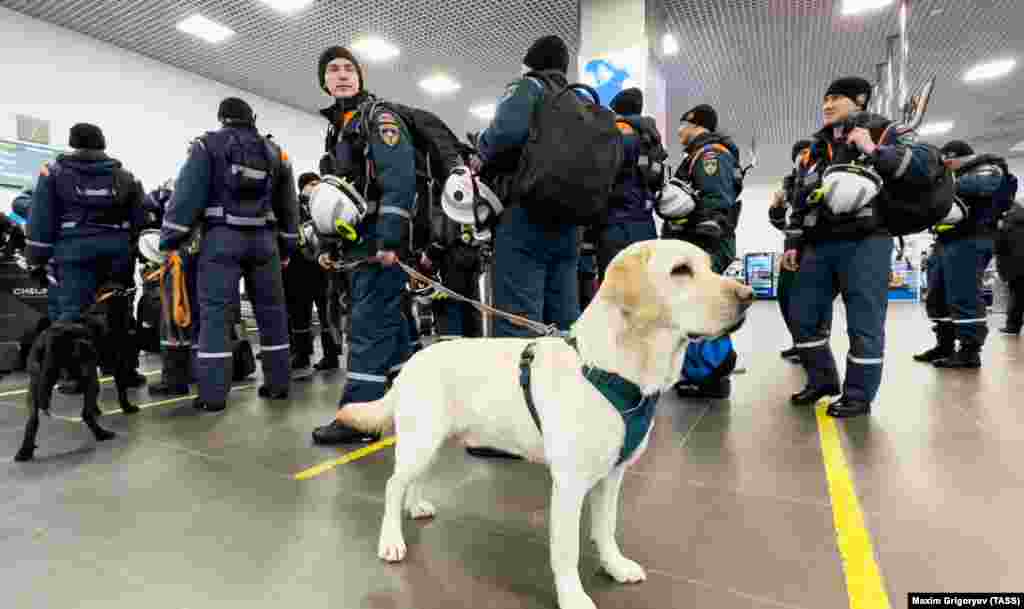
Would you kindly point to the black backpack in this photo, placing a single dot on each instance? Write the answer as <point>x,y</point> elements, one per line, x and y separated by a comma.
<point>650,165</point>
<point>437,153</point>
<point>568,167</point>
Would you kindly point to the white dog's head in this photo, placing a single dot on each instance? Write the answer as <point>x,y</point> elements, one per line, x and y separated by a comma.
<point>669,284</point>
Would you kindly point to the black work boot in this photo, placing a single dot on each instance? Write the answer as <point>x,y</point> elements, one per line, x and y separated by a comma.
<point>336,432</point>
<point>945,347</point>
<point>969,356</point>
<point>845,407</point>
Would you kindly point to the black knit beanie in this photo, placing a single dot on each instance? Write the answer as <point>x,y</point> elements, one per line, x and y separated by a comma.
<point>702,116</point>
<point>852,87</point>
<point>628,101</point>
<point>956,149</point>
<point>85,136</point>
<point>233,110</point>
<point>334,53</point>
<point>547,53</point>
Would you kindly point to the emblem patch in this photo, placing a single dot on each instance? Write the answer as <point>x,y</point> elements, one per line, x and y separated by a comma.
<point>389,134</point>
<point>711,166</point>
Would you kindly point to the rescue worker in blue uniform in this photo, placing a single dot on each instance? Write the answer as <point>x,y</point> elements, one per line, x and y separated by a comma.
<point>778,213</point>
<point>371,146</point>
<point>630,216</point>
<point>962,253</point>
<point>305,285</point>
<point>86,212</point>
<point>850,251</point>
<point>535,267</point>
<point>710,166</point>
<point>236,187</point>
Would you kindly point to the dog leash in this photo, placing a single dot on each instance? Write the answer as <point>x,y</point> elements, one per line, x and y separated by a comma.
<point>518,320</point>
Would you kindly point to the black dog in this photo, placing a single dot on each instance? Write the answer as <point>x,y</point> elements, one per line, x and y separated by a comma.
<point>75,347</point>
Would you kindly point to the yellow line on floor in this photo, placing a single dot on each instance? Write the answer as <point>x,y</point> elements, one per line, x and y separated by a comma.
<point>180,398</point>
<point>864,584</point>
<point>105,379</point>
<point>349,457</point>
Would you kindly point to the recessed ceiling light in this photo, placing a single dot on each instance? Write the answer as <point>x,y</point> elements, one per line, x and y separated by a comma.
<point>935,128</point>
<point>375,49</point>
<point>287,6</point>
<point>210,31</point>
<point>669,46</point>
<point>484,111</point>
<point>992,69</point>
<point>438,84</point>
<point>856,7</point>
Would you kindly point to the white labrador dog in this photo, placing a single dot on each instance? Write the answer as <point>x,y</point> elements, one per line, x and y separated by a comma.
<point>656,296</point>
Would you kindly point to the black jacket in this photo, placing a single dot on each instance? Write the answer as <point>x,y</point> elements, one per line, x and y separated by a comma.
<point>1010,245</point>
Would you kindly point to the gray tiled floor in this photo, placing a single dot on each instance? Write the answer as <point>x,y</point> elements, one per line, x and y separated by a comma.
<point>729,509</point>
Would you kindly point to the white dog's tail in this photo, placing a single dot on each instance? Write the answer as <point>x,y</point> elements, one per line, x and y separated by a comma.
<point>373,417</point>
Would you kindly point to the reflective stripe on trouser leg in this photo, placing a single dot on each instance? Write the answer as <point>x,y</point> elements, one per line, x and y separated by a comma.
<point>217,284</point>
<point>379,337</point>
<point>864,280</point>
<point>265,287</point>
<point>810,307</point>
<point>964,263</point>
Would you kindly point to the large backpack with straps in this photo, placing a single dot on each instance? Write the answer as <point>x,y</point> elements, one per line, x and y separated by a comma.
<point>249,166</point>
<point>568,167</point>
<point>437,153</point>
<point>1001,200</point>
<point>650,166</point>
<point>104,199</point>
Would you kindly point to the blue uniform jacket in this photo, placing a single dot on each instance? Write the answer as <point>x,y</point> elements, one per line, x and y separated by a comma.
<point>373,147</point>
<point>191,196</point>
<point>630,199</point>
<point>54,220</point>
<point>897,158</point>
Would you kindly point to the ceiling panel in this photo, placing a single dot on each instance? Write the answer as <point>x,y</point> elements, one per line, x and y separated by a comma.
<point>275,55</point>
<point>765,65</point>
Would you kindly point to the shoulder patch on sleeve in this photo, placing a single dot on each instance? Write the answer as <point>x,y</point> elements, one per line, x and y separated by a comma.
<point>389,133</point>
<point>44,171</point>
<point>710,164</point>
<point>624,127</point>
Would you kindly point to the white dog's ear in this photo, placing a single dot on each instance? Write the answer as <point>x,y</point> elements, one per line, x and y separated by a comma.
<point>628,285</point>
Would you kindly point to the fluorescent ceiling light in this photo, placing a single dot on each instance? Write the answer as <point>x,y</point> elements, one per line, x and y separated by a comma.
<point>287,6</point>
<point>1018,147</point>
<point>992,69</point>
<point>439,83</point>
<point>938,128</point>
<point>856,7</point>
<point>210,31</point>
<point>669,46</point>
<point>375,49</point>
<point>484,111</point>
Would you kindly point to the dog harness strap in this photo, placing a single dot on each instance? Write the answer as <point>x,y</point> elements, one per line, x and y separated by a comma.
<point>525,362</point>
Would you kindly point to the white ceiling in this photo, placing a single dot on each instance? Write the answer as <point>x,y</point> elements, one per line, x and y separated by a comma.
<point>763,64</point>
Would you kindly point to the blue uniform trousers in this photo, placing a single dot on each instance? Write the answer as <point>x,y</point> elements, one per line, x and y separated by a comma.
<point>86,263</point>
<point>954,289</point>
<point>226,255</point>
<point>859,271</point>
<point>379,342</point>
<point>535,273</point>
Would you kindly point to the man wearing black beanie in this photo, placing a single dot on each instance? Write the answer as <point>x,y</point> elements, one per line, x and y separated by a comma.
<point>710,167</point>
<point>962,252</point>
<point>843,243</point>
<point>86,213</point>
<point>364,131</point>
<point>236,195</point>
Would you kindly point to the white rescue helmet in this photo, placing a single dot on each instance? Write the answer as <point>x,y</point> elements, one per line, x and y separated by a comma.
<point>848,188</point>
<point>466,197</point>
<point>677,200</point>
<point>149,246</point>
<point>957,213</point>
<point>337,208</point>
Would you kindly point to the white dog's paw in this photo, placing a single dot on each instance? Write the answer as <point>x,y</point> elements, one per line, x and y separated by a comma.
<point>624,570</point>
<point>391,548</point>
<point>422,509</point>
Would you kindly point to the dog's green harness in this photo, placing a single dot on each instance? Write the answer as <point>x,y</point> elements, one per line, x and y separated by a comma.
<point>637,410</point>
